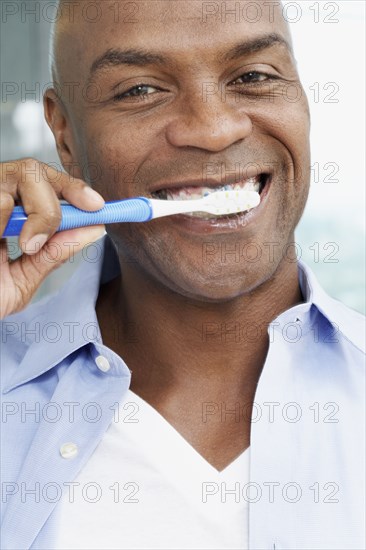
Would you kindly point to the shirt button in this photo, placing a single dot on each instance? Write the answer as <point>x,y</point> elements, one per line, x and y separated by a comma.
<point>102,363</point>
<point>69,450</point>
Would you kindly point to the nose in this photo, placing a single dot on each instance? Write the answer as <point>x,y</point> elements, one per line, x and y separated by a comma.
<point>213,125</point>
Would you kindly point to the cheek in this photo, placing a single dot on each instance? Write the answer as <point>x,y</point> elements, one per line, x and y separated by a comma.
<point>296,134</point>
<point>113,154</point>
<point>112,168</point>
<point>287,120</point>
<point>298,145</point>
<point>290,128</point>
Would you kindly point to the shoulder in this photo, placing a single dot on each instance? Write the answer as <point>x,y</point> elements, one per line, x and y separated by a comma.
<point>346,322</point>
<point>13,328</point>
<point>350,323</point>
<point>18,332</point>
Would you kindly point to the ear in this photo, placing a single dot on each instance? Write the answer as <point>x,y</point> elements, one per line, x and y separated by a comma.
<point>57,119</point>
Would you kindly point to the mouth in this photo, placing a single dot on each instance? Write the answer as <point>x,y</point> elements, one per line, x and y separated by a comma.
<point>256,183</point>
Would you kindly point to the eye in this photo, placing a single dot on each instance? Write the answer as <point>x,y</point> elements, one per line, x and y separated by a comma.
<point>139,91</point>
<point>253,77</point>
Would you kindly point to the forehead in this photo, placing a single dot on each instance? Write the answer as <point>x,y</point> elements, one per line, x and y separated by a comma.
<point>186,17</point>
<point>194,27</point>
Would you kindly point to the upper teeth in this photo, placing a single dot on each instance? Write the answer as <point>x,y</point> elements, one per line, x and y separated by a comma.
<point>184,193</point>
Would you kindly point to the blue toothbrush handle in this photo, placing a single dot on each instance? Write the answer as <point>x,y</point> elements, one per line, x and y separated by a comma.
<point>127,210</point>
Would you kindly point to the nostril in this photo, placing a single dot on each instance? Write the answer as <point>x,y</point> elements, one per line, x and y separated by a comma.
<point>206,129</point>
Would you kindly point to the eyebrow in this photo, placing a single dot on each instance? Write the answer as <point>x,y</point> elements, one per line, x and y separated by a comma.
<point>115,57</point>
<point>138,57</point>
<point>256,45</point>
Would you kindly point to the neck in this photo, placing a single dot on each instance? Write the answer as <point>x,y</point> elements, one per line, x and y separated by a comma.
<point>173,345</point>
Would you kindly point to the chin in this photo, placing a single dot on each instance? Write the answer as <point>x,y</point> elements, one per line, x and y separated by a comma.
<point>224,286</point>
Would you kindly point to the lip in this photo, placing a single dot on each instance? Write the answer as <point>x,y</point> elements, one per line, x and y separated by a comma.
<point>222,224</point>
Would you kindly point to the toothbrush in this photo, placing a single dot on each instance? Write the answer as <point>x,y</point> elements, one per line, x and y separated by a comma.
<point>141,209</point>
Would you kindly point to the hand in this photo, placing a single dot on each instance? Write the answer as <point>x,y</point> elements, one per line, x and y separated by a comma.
<point>38,187</point>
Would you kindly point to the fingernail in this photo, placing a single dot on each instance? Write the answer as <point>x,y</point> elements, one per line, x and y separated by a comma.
<point>93,195</point>
<point>35,243</point>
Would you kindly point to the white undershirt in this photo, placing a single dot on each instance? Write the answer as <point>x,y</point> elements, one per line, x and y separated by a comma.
<point>155,491</point>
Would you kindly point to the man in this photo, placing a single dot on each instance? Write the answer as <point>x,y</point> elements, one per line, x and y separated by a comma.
<point>244,378</point>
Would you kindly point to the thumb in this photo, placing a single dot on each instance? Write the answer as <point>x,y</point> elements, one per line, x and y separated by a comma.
<point>59,248</point>
<point>64,245</point>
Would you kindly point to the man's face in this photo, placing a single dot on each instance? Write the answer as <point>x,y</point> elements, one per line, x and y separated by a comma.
<point>183,94</point>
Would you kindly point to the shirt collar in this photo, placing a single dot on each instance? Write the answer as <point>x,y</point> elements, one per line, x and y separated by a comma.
<point>344,320</point>
<point>66,321</point>
<point>70,315</point>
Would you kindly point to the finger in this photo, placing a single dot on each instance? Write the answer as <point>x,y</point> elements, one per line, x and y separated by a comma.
<point>66,244</point>
<point>14,174</point>
<point>43,209</point>
<point>74,190</point>
<point>30,270</point>
<point>39,187</point>
<point>8,299</point>
<point>79,194</point>
<point>6,208</point>
<point>24,180</point>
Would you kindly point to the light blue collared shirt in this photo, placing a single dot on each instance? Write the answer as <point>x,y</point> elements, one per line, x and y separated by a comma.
<point>307,481</point>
